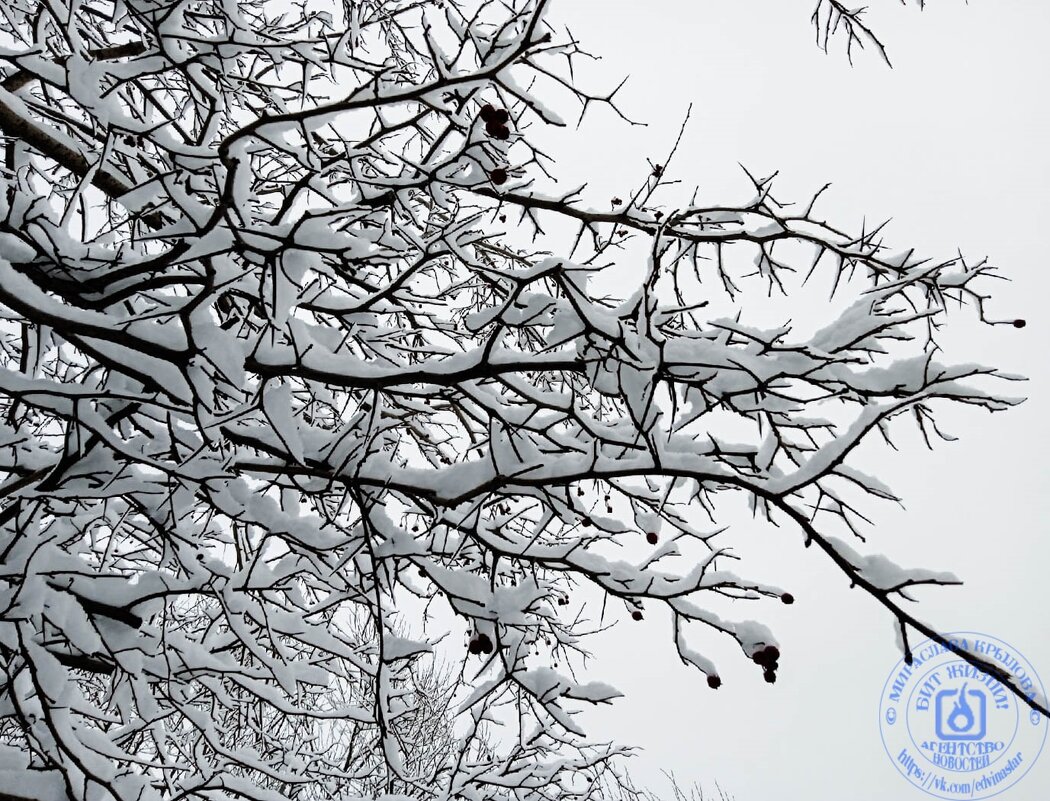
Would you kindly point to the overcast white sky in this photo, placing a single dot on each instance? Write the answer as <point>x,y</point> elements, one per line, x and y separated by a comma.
<point>951,145</point>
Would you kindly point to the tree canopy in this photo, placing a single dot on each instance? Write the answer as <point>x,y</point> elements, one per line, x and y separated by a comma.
<point>303,370</point>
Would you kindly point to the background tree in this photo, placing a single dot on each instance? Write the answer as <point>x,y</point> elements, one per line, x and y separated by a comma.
<point>306,364</point>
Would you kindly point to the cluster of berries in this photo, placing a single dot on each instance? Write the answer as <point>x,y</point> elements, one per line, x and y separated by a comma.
<point>480,644</point>
<point>767,658</point>
<point>496,120</point>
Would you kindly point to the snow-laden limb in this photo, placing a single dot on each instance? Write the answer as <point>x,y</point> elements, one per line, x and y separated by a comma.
<point>880,571</point>
<point>296,389</point>
<point>19,782</point>
<point>882,579</point>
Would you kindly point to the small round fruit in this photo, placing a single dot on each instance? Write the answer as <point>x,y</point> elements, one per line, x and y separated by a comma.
<point>770,676</point>
<point>501,116</point>
<point>485,644</point>
<point>487,113</point>
<point>1019,323</point>
<point>586,522</point>
<point>422,573</point>
<point>714,682</point>
<point>474,646</point>
<point>497,130</point>
<point>651,538</point>
<point>637,614</point>
<point>787,598</point>
<point>498,176</point>
<point>772,653</point>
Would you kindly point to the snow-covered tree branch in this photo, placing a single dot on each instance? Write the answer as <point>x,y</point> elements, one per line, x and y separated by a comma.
<point>310,367</point>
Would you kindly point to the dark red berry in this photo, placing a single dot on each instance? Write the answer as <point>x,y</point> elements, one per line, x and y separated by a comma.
<point>501,116</point>
<point>488,113</point>
<point>714,682</point>
<point>787,598</point>
<point>651,538</point>
<point>497,130</point>
<point>1019,323</point>
<point>770,676</point>
<point>498,176</point>
<point>637,614</point>
<point>484,644</point>
<point>474,646</point>
<point>767,657</point>
<point>422,572</point>
<point>503,218</point>
<point>586,522</point>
